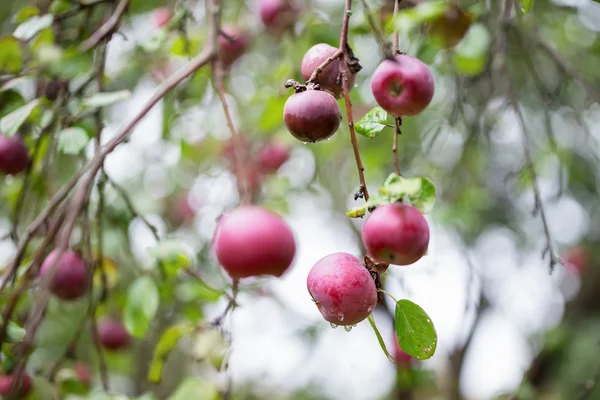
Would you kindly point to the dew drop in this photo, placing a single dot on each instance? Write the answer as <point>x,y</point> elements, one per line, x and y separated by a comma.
<point>333,326</point>
<point>355,325</point>
<point>305,142</point>
<point>348,328</point>
<point>370,308</point>
<point>341,317</point>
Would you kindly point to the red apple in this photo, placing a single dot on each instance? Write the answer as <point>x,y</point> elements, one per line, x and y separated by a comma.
<point>6,382</point>
<point>342,288</point>
<point>329,78</point>
<point>252,241</point>
<point>396,234</point>
<point>232,47</point>
<point>403,360</point>
<point>70,280</point>
<point>113,335</point>
<point>402,87</point>
<point>272,156</point>
<point>278,15</point>
<point>14,157</point>
<point>577,259</point>
<point>83,372</point>
<point>312,115</point>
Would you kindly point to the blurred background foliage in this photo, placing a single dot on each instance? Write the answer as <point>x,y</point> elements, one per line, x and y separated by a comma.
<point>491,61</point>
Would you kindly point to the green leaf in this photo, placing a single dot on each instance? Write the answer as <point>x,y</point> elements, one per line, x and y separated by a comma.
<point>172,254</point>
<point>106,98</point>
<point>28,29</point>
<point>11,56</point>
<point>197,389</point>
<point>528,4</point>
<point>416,334</point>
<point>380,339</point>
<point>374,201</point>
<point>141,306</point>
<point>164,347</point>
<point>25,13</point>
<point>10,124</point>
<point>426,11</point>
<point>420,191</point>
<point>193,290</point>
<point>471,54</point>
<point>372,123</point>
<point>72,140</point>
<point>212,346</point>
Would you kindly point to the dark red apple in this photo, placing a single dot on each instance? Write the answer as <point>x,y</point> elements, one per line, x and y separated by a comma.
<point>113,335</point>
<point>402,87</point>
<point>14,157</point>
<point>278,15</point>
<point>70,280</point>
<point>232,47</point>
<point>396,234</point>
<point>329,78</point>
<point>6,382</point>
<point>252,241</point>
<point>272,156</point>
<point>342,288</point>
<point>312,115</point>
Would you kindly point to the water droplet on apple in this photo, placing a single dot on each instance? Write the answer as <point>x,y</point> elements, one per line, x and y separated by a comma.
<point>348,328</point>
<point>333,326</point>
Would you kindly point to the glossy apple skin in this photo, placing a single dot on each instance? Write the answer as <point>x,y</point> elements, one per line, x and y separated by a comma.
<point>113,335</point>
<point>278,15</point>
<point>403,87</point>
<point>272,156</point>
<point>14,157</point>
<point>70,281</point>
<point>251,241</point>
<point>231,50</point>
<point>328,78</point>
<point>396,234</point>
<point>312,115</point>
<point>342,289</point>
<point>6,382</point>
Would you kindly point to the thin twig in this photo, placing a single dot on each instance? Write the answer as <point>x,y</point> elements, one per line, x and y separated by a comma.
<point>384,45</point>
<point>565,66</point>
<point>345,72</point>
<point>513,98</point>
<point>397,120</point>
<point>314,77</point>
<point>108,28</point>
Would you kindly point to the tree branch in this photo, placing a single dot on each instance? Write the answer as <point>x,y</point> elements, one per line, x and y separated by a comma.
<point>108,28</point>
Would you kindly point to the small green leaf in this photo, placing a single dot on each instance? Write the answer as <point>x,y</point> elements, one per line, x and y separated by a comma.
<point>380,339</point>
<point>424,198</point>
<point>528,4</point>
<point>10,124</point>
<point>193,290</point>
<point>197,389</point>
<point>426,11</point>
<point>372,123</point>
<point>420,191</point>
<point>172,255</point>
<point>212,346</point>
<point>72,140</point>
<point>59,6</point>
<point>25,13</point>
<point>106,98</point>
<point>11,56</point>
<point>360,211</point>
<point>416,334</point>
<point>28,29</point>
<point>164,347</point>
<point>141,306</point>
<point>471,54</point>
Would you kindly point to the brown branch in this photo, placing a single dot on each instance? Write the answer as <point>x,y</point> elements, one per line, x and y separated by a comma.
<point>108,28</point>
<point>314,77</point>
<point>345,72</point>
<point>397,120</point>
